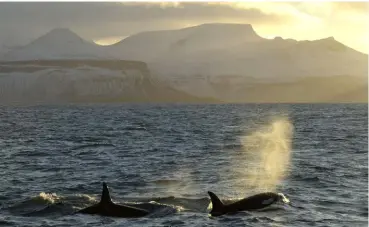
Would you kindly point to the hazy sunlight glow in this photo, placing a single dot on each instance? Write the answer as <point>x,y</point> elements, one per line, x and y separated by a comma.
<point>109,40</point>
<point>267,152</point>
<point>321,19</point>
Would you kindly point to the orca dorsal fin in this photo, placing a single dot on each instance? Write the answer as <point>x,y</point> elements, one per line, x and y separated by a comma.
<point>216,204</point>
<point>105,195</point>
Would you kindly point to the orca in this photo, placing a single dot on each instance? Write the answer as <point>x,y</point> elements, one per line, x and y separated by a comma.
<point>106,207</point>
<point>255,202</point>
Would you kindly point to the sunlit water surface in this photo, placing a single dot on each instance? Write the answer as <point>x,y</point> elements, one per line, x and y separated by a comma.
<point>165,158</point>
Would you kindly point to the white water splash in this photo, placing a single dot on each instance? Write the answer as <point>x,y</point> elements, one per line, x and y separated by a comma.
<point>48,197</point>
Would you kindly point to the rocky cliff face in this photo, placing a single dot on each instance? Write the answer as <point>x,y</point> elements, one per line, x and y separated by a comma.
<point>53,81</point>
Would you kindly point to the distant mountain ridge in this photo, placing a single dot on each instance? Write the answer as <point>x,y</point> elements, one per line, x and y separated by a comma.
<point>215,60</point>
<point>59,43</point>
<point>208,49</point>
<point>202,37</point>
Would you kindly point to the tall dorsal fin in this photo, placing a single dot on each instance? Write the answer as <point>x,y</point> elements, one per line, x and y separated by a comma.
<point>216,203</point>
<point>105,196</point>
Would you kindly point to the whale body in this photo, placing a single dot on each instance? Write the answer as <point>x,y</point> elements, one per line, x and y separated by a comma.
<point>255,202</point>
<point>106,207</point>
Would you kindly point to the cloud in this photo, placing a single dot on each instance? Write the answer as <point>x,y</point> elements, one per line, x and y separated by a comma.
<point>348,22</point>
<point>21,22</point>
<point>119,19</point>
<point>357,7</point>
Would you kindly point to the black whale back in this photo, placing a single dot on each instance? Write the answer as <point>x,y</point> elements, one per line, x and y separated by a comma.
<point>107,208</point>
<point>255,202</point>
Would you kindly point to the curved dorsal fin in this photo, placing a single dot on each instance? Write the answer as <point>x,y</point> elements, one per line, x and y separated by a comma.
<point>216,203</point>
<point>105,196</point>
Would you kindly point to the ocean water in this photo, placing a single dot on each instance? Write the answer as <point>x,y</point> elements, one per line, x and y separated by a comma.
<point>165,158</point>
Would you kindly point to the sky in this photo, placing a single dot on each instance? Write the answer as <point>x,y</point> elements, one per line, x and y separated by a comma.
<point>109,22</point>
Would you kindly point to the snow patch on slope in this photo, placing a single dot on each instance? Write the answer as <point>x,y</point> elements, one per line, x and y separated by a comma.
<point>57,82</point>
<point>60,43</point>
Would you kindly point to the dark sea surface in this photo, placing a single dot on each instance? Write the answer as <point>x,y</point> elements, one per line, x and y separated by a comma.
<point>164,158</point>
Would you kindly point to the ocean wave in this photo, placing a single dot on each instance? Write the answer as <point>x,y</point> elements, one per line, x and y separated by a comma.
<point>93,145</point>
<point>135,128</point>
<point>35,204</point>
<point>309,178</point>
<point>51,204</point>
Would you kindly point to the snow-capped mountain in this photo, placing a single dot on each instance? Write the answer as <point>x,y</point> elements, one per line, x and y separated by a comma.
<point>207,50</point>
<point>225,61</point>
<point>60,43</point>
<point>155,45</point>
<point>236,49</point>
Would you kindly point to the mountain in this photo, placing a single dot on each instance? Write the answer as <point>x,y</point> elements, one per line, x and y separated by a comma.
<point>60,43</point>
<point>152,45</point>
<point>4,49</point>
<point>207,50</point>
<point>230,62</point>
<point>75,81</point>
<point>236,49</point>
<point>221,60</point>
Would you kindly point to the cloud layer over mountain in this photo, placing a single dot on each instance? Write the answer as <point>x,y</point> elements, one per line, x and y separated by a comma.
<point>347,22</point>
